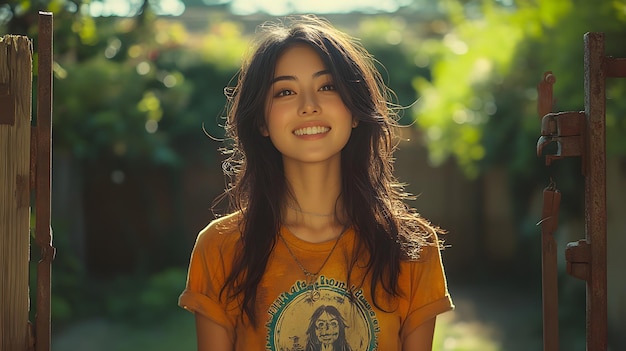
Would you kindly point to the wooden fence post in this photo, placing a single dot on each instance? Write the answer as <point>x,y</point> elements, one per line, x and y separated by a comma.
<point>15,129</point>
<point>42,167</point>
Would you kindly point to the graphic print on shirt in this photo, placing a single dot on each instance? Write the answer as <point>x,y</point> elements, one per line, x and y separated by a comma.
<point>333,321</point>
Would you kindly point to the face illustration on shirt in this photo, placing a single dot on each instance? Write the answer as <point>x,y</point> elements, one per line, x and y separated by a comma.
<point>327,328</point>
<point>334,322</point>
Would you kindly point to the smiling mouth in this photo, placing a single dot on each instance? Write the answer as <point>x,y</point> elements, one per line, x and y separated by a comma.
<point>311,130</point>
<point>328,337</point>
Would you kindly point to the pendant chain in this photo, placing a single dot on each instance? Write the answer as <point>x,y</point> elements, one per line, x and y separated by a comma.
<point>310,276</point>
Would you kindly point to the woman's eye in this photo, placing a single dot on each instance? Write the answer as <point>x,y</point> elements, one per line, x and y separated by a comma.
<point>284,92</point>
<point>328,87</point>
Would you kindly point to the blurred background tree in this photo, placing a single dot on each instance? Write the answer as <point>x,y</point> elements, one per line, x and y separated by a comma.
<point>139,107</point>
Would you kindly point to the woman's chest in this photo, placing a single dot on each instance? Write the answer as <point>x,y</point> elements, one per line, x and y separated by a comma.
<point>332,308</point>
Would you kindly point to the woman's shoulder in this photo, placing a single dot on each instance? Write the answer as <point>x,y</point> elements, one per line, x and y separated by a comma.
<point>222,230</point>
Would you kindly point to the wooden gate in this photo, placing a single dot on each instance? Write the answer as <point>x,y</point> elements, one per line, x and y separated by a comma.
<point>25,170</point>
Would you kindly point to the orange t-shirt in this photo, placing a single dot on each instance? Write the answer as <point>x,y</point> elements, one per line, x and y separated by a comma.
<point>290,317</point>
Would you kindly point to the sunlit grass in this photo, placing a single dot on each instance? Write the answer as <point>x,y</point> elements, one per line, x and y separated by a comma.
<point>454,335</point>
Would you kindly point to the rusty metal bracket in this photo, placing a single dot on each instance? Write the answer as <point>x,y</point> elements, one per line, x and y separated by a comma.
<point>566,130</point>
<point>578,256</point>
<point>615,67</point>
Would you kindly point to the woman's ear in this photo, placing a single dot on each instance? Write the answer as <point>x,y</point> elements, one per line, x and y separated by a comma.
<point>355,122</point>
<point>264,131</point>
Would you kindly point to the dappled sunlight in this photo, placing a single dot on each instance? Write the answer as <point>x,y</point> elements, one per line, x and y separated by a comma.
<point>453,334</point>
<point>491,317</point>
<point>463,330</point>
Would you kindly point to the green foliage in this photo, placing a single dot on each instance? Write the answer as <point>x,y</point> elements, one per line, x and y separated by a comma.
<point>110,108</point>
<point>469,60</point>
<point>393,43</point>
<point>134,299</point>
<point>177,332</point>
<point>137,299</point>
<point>131,88</point>
<point>480,105</point>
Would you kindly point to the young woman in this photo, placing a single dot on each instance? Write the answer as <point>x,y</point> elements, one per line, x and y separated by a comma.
<point>318,223</point>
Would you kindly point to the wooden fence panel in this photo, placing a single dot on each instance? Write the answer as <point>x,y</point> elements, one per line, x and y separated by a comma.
<point>15,129</point>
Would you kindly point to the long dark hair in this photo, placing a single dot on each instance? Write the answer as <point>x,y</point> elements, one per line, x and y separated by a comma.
<point>373,199</point>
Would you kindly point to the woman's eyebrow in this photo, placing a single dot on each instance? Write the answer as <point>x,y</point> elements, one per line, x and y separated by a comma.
<point>286,77</point>
<point>320,73</point>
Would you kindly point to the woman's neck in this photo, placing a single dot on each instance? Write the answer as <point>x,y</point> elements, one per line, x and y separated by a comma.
<point>314,211</point>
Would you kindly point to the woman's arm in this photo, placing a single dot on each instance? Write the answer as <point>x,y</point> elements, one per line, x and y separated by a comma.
<point>211,336</point>
<point>421,339</point>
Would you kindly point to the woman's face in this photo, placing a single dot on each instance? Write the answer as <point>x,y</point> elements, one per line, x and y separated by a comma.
<point>327,328</point>
<point>305,116</point>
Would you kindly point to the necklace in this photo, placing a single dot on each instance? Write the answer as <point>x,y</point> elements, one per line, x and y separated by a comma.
<point>310,213</point>
<point>311,277</point>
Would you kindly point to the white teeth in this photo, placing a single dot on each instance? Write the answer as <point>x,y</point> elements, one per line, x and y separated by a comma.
<point>311,130</point>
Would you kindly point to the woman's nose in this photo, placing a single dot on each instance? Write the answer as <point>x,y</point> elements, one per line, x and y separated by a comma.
<point>309,105</point>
